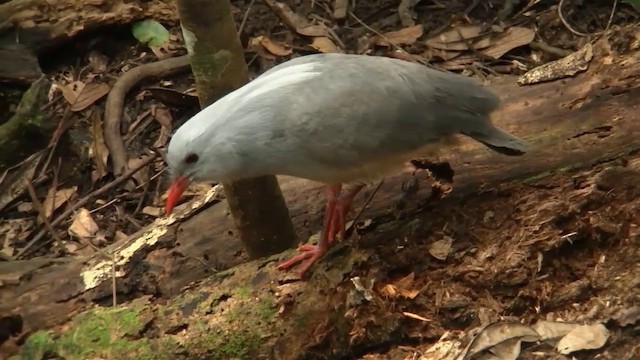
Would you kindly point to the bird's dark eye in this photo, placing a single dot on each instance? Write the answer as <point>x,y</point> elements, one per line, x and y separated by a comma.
<point>191,159</point>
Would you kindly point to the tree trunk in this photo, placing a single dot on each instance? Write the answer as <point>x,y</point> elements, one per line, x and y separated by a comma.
<point>217,60</point>
<point>255,311</point>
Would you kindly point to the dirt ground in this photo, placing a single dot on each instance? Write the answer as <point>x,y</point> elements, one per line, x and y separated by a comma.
<point>559,247</point>
<point>562,247</point>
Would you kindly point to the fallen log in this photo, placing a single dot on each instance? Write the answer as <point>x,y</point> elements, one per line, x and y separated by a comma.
<point>572,123</point>
<point>44,25</point>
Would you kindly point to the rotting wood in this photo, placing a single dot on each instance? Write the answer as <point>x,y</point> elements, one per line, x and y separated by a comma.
<point>42,25</point>
<point>573,122</point>
<point>18,65</point>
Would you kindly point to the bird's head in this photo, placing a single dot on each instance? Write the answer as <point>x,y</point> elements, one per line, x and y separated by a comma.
<point>186,164</point>
<point>195,153</point>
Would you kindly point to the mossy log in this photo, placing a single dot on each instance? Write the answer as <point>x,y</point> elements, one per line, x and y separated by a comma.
<point>254,311</point>
<point>27,130</point>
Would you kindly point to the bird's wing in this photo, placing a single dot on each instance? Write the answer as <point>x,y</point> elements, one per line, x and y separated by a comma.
<point>395,109</point>
<point>357,113</point>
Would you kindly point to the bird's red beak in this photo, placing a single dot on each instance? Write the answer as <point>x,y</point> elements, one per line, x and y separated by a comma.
<point>178,186</point>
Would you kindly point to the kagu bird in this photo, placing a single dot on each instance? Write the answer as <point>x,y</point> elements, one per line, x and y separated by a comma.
<point>333,118</point>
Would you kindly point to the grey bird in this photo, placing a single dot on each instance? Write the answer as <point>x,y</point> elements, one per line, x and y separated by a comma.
<point>336,119</point>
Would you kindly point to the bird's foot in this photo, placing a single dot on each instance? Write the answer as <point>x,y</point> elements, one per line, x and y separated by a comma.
<point>309,253</point>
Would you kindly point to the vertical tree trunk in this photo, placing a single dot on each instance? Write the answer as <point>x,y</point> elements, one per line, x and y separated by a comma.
<point>217,61</point>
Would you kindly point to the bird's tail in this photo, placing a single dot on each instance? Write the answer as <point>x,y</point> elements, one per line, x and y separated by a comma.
<point>499,140</point>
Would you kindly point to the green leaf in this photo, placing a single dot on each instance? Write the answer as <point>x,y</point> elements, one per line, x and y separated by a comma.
<point>150,32</point>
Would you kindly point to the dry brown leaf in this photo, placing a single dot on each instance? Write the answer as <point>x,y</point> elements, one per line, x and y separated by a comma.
<point>55,199</point>
<point>12,179</point>
<point>71,91</point>
<point>80,95</point>
<point>325,45</point>
<point>98,151</point>
<point>406,36</point>
<point>141,176</point>
<point>584,337</point>
<point>444,55</point>
<point>163,116</point>
<point>389,291</point>
<point>138,120</point>
<point>14,231</point>
<point>255,44</point>
<point>25,207</point>
<point>459,62</point>
<point>275,47</point>
<point>340,8</point>
<point>452,39</point>
<point>441,248</point>
<point>402,55</point>
<point>512,38</point>
<point>162,52</point>
<point>402,287</point>
<point>313,30</point>
<point>297,22</point>
<point>152,211</point>
<point>83,225</point>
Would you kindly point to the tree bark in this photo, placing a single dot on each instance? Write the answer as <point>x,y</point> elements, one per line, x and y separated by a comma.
<point>571,123</point>
<point>217,60</point>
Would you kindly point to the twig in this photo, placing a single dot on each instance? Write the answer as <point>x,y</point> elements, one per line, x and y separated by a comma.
<point>63,126</point>
<point>245,17</point>
<point>142,197</point>
<point>564,21</point>
<point>395,46</point>
<point>120,179</point>
<point>613,11</point>
<point>470,8</point>
<point>109,203</point>
<point>41,211</point>
<point>552,50</point>
<point>347,232</point>
<point>406,13</point>
<point>54,183</point>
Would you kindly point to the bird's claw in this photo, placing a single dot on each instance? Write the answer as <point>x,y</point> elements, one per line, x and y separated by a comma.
<point>309,254</point>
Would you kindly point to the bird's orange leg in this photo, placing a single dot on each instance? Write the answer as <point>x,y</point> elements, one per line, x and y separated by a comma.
<point>334,223</point>
<point>342,209</point>
<point>309,253</point>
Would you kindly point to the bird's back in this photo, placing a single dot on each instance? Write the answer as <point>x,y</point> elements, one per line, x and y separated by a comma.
<point>351,116</point>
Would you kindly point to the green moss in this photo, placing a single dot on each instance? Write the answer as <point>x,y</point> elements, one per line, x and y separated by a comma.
<point>102,332</point>
<point>266,309</point>
<point>239,345</point>
<point>300,321</point>
<point>36,345</point>
<point>243,292</point>
<point>232,343</point>
<point>222,345</point>
<point>236,314</point>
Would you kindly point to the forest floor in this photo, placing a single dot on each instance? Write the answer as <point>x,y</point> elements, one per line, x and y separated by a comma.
<point>561,247</point>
